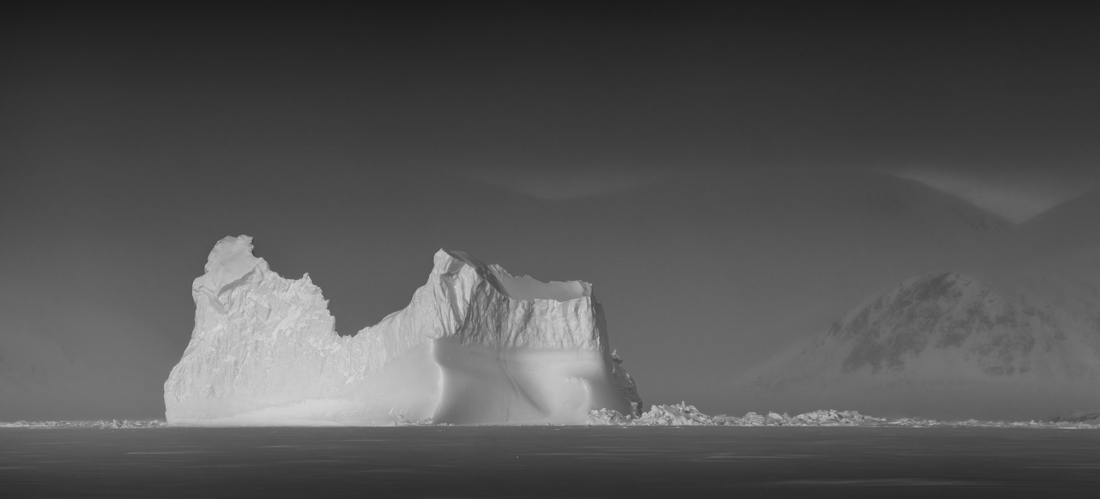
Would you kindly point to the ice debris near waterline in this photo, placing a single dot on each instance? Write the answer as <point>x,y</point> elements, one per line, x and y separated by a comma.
<point>475,345</point>
<point>681,415</point>
<point>100,424</point>
<point>687,415</point>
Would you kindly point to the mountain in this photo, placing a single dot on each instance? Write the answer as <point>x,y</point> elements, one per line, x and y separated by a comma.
<point>1015,335</point>
<point>1022,343</point>
<point>942,345</point>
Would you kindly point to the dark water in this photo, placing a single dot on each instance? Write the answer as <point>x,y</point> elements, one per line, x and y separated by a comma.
<point>550,462</point>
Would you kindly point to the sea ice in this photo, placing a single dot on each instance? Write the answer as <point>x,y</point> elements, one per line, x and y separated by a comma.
<point>683,414</point>
<point>475,345</point>
<point>97,423</point>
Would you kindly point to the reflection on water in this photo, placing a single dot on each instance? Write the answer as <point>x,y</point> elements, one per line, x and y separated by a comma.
<point>548,462</point>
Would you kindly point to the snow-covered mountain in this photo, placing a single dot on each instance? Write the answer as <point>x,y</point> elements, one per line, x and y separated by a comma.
<point>475,345</point>
<point>1016,333</point>
<point>943,345</point>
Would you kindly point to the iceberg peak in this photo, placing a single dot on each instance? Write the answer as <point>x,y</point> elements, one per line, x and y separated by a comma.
<point>524,288</point>
<point>229,261</point>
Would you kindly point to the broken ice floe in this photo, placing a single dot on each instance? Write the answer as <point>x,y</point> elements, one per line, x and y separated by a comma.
<point>688,415</point>
<point>102,424</point>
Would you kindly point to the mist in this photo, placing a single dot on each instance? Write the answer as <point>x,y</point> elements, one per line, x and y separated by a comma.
<point>718,175</point>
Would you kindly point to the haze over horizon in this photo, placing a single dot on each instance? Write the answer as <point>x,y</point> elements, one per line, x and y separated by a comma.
<point>730,180</point>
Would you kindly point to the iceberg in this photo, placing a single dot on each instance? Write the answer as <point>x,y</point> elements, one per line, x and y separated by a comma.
<point>475,346</point>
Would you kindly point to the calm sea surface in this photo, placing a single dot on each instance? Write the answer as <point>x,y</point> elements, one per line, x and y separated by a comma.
<point>549,462</point>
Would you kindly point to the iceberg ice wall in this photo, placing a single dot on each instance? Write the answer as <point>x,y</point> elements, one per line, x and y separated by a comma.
<point>475,345</point>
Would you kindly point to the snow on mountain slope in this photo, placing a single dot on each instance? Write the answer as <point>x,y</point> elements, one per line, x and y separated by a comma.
<point>1064,241</point>
<point>943,345</point>
<point>1073,223</point>
<point>475,345</point>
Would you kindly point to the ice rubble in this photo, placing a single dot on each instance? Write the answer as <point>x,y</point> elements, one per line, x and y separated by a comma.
<point>683,414</point>
<point>687,415</point>
<point>679,415</point>
<point>475,345</point>
<point>97,423</point>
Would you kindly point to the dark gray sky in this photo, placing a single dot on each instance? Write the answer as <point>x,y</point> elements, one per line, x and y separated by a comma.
<point>352,144</point>
<point>576,88</point>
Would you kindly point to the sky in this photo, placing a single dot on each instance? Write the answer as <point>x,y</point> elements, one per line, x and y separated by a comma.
<point>133,139</point>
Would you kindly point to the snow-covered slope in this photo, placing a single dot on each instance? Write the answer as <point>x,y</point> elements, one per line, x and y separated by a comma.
<point>1071,224</point>
<point>1063,243</point>
<point>475,345</point>
<point>944,345</point>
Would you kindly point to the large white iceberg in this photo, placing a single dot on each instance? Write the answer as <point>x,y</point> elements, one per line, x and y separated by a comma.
<point>475,345</point>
